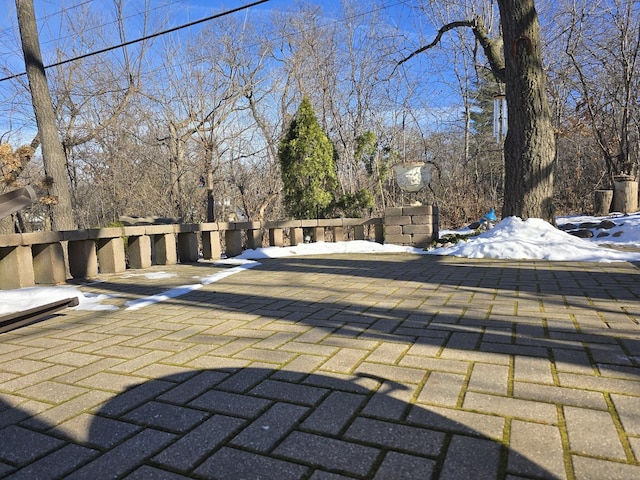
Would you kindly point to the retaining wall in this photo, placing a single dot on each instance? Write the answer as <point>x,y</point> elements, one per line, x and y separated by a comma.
<point>415,226</point>
<point>53,257</point>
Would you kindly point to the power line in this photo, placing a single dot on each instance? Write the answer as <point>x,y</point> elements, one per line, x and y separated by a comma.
<point>142,39</point>
<point>62,11</point>
<point>328,23</point>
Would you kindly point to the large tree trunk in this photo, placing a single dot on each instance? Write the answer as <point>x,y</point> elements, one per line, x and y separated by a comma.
<point>530,144</point>
<point>52,153</point>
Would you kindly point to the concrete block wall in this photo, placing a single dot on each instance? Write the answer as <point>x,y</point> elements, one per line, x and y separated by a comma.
<point>52,257</point>
<point>413,226</point>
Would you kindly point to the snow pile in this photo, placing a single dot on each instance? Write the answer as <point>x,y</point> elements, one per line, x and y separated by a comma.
<point>511,238</point>
<point>326,248</point>
<point>533,239</point>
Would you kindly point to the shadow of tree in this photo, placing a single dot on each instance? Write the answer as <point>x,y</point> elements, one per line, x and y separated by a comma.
<point>260,423</point>
<point>537,309</point>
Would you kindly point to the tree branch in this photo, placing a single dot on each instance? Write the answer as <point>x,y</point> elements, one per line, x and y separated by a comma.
<point>491,47</point>
<point>444,29</point>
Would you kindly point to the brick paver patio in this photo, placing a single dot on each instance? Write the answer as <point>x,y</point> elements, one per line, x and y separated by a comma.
<point>359,366</point>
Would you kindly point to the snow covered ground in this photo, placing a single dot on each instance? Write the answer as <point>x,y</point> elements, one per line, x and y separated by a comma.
<point>511,238</point>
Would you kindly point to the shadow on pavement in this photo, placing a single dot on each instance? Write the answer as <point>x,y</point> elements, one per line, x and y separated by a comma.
<point>257,423</point>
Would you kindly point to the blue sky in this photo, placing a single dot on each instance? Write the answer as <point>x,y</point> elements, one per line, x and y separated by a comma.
<point>177,12</point>
<point>48,13</point>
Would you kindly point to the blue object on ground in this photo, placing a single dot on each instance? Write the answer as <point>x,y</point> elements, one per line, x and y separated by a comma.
<point>490,216</point>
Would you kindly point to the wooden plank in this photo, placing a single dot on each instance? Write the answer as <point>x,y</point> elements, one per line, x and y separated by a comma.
<point>15,200</point>
<point>22,318</point>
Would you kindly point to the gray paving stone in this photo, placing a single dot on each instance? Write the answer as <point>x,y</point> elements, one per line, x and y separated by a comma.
<point>87,371</point>
<point>397,437</point>
<point>345,360</point>
<point>575,361</point>
<point>489,378</point>
<point>195,386</point>
<point>97,432</point>
<point>511,407</point>
<point>140,362</point>
<point>111,382</point>
<point>387,352</point>
<point>560,395</point>
<point>75,359</point>
<point>23,366</point>
<point>619,371</point>
<point>231,404</point>
<point>199,443</point>
<point>331,416</point>
<point>628,408</point>
<point>244,380</point>
<point>529,369</point>
<point>536,450</point>
<point>463,341</point>
<point>442,389</point>
<point>271,427</point>
<point>532,351</point>
<point>401,466</point>
<point>434,364</point>
<point>392,372</point>
<point>457,421</point>
<point>233,463</point>
<point>390,401</point>
<point>125,457</point>
<point>56,464</point>
<point>6,469</point>
<point>289,392</point>
<point>25,381</point>
<point>19,446</point>
<point>344,382</point>
<point>593,432</point>
<point>462,459</point>
<point>164,416</point>
<point>601,384</point>
<point>150,473</point>
<point>595,469</point>
<point>135,396</point>
<point>328,453</point>
<point>52,392</point>
<point>322,475</point>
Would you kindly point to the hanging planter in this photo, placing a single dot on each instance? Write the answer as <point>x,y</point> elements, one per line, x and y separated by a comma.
<point>412,176</point>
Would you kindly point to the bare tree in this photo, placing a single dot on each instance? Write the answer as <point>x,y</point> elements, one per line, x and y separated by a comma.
<point>57,182</point>
<point>606,72</point>
<point>516,59</point>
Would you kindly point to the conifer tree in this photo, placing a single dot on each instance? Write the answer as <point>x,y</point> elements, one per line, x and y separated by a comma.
<point>308,166</point>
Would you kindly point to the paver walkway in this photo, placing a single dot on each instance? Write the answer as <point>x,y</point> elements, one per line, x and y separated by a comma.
<point>358,366</point>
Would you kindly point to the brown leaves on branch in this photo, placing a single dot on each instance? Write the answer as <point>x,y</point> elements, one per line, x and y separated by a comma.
<point>12,163</point>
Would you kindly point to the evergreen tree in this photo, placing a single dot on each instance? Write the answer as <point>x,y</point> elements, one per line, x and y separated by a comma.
<point>308,166</point>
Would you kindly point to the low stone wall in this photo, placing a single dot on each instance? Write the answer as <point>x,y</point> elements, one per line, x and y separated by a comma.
<point>415,226</point>
<point>53,257</point>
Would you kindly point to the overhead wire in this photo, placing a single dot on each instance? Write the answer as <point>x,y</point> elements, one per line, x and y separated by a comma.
<point>327,23</point>
<point>144,38</point>
<point>300,32</point>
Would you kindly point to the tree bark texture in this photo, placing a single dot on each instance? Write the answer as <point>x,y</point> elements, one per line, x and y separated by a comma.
<point>530,143</point>
<point>625,195</point>
<point>54,160</point>
<point>602,202</point>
